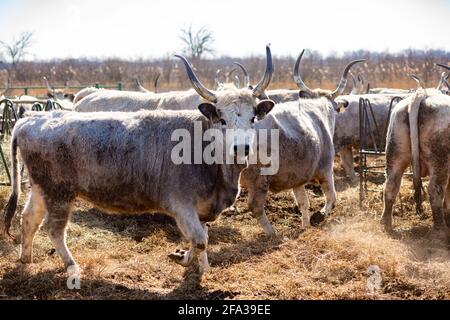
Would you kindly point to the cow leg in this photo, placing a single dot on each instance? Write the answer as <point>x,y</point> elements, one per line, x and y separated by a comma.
<point>257,186</point>
<point>327,185</point>
<point>197,235</point>
<point>346,154</point>
<point>447,202</point>
<point>256,202</point>
<point>436,190</point>
<point>58,217</point>
<point>391,189</point>
<point>301,197</point>
<point>32,216</point>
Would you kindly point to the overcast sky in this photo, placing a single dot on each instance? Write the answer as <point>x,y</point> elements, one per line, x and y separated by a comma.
<point>138,28</point>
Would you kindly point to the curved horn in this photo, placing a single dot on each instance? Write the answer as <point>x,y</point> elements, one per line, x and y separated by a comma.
<point>441,80</point>
<point>264,83</point>
<point>341,86</point>
<point>230,73</point>
<point>217,80</point>
<point>447,84</point>
<point>155,82</point>
<point>196,84</point>
<point>139,85</point>
<point>246,74</point>
<point>49,87</point>
<point>297,78</point>
<point>354,89</point>
<point>237,82</point>
<point>418,80</point>
<point>443,66</point>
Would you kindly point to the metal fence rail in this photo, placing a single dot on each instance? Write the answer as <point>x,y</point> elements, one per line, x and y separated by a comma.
<point>372,142</point>
<point>27,89</point>
<point>9,117</point>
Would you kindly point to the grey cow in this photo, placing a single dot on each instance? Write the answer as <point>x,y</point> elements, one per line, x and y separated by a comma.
<point>121,162</point>
<point>419,130</point>
<point>306,151</point>
<point>346,133</point>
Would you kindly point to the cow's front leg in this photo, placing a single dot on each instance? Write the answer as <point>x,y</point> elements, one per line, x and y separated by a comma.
<point>257,186</point>
<point>346,154</point>
<point>189,224</point>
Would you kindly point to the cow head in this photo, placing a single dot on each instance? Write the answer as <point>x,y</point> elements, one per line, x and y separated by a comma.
<point>308,93</point>
<point>235,110</point>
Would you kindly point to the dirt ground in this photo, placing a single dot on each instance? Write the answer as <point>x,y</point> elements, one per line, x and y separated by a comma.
<point>126,257</point>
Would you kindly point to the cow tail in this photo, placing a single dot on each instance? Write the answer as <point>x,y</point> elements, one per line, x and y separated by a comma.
<point>413,111</point>
<point>11,207</point>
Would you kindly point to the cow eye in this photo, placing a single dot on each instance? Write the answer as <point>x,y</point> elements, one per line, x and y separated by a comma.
<point>223,122</point>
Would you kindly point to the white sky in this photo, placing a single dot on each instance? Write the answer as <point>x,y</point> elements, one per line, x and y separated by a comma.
<point>138,28</point>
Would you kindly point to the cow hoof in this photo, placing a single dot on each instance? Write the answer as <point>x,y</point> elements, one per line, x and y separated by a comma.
<point>26,260</point>
<point>317,218</point>
<point>203,268</point>
<point>270,232</point>
<point>73,270</point>
<point>182,257</point>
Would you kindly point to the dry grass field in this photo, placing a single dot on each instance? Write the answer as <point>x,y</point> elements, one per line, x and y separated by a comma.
<point>126,257</point>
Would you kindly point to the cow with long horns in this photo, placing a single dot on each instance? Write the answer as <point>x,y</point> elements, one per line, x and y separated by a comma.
<point>306,151</point>
<point>123,163</point>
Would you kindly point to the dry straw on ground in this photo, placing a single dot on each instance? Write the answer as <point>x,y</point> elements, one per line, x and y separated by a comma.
<point>126,257</point>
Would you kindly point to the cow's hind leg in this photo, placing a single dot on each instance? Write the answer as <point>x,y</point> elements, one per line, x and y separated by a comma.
<point>327,185</point>
<point>391,189</point>
<point>346,154</point>
<point>197,234</point>
<point>301,197</point>
<point>32,217</point>
<point>58,216</point>
<point>437,190</point>
<point>447,204</point>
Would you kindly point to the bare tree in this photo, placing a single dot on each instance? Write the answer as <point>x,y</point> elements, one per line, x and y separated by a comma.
<point>197,42</point>
<point>15,51</point>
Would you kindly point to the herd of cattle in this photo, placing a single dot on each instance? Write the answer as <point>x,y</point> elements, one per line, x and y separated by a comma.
<point>113,149</point>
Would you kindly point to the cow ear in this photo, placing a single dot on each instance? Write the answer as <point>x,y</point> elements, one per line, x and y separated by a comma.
<point>304,95</point>
<point>342,104</point>
<point>264,107</point>
<point>210,111</point>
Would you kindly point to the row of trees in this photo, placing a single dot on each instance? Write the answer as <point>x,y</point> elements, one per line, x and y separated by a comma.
<point>381,68</point>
